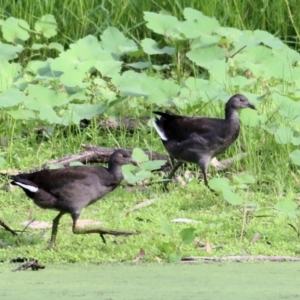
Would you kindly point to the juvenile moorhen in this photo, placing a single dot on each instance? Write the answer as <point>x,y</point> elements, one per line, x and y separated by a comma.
<point>197,140</point>
<point>71,189</point>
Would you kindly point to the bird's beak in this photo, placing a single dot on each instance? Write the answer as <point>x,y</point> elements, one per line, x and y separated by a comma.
<point>250,105</point>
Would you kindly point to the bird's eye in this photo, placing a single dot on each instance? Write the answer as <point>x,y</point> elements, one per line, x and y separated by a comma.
<point>242,99</point>
<point>124,155</point>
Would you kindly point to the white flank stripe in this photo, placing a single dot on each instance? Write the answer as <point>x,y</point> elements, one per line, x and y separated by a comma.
<point>30,188</point>
<point>160,132</point>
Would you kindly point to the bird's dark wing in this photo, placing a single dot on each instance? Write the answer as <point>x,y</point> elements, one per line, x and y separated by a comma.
<point>59,178</point>
<point>181,128</point>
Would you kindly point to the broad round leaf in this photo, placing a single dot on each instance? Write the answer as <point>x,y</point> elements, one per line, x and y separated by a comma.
<point>2,161</point>
<point>218,184</point>
<point>232,198</point>
<point>244,178</point>
<point>187,235</point>
<point>197,24</point>
<point>46,25</point>
<point>114,41</point>
<point>163,24</point>
<point>204,57</point>
<point>139,155</point>
<point>288,207</point>
<point>152,165</point>
<point>284,135</point>
<point>11,97</point>
<point>9,52</point>
<point>166,228</point>
<point>295,157</point>
<point>151,47</point>
<point>15,30</point>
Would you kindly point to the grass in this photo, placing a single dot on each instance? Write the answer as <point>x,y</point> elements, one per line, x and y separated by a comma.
<point>220,223</point>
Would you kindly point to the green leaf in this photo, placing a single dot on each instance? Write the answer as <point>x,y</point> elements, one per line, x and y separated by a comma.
<point>284,135</point>
<point>151,47</point>
<point>43,70</point>
<point>244,178</point>
<point>81,56</point>
<point>2,161</point>
<point>8,73</point>
<point>218,71</point>
<point>130,83</point>
<point>197,24</point>
<point>56,46</point>
<point>40,97</point>
<point>109,68</point>
<point>204,57</point>
<point>264,62</point>
<point>46,25</point>
<point>152,165</point>
<point>76,163</point>
<point>164,90</point>
<point>88,111</point>
<point>174,257</point>
<point>57,166</point>
<point>162,24</point>
<point>139,155</point>
<point>296,141</point>
<point>115,42</point>
<point>219,184</point>
<point>15,30</point>
<point>167,248</point>
<point>140,65</point>
<point>187,235</point>
<point>287,107</point>
<point>9,52</point>
<point>288,207</point>
<point>74,78</point>
<point>250,117</point>
<point>133,174</point>
<point>11,97</point>
<point>232,198</point>
<point>295,157</point>
<point>23,114</point>
<point>166,228</point>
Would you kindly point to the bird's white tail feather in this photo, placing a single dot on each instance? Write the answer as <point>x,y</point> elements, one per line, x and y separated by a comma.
<point>30,188</point>
<point>160,132</point>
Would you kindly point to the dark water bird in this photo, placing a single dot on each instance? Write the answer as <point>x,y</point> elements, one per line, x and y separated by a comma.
<point>196,139</point>
<point>70,189</point>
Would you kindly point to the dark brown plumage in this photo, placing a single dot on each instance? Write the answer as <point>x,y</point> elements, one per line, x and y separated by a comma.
<point>197,140</point>
<point>71,189</point>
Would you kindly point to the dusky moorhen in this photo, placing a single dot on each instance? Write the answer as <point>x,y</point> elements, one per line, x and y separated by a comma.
<point>196,139</point>
<point>70,189</point>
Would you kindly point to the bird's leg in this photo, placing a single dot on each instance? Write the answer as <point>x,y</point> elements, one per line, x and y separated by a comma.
<point>205,178</point>
<point>100,230</point>
<point>203,164</point>
<point>7,228</point>
<point>173,171</point>
<point>54,230</point>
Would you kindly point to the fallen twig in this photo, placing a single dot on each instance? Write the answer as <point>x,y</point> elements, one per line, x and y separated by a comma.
<point>7,228</point>
<point>140,205</point>
<point>240,258</point>
<point>103,231</point>
<point>33,264</point>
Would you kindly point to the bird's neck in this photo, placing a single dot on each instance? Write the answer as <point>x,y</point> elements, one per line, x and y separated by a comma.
<point>231,115</point>
<point>115,170</point>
